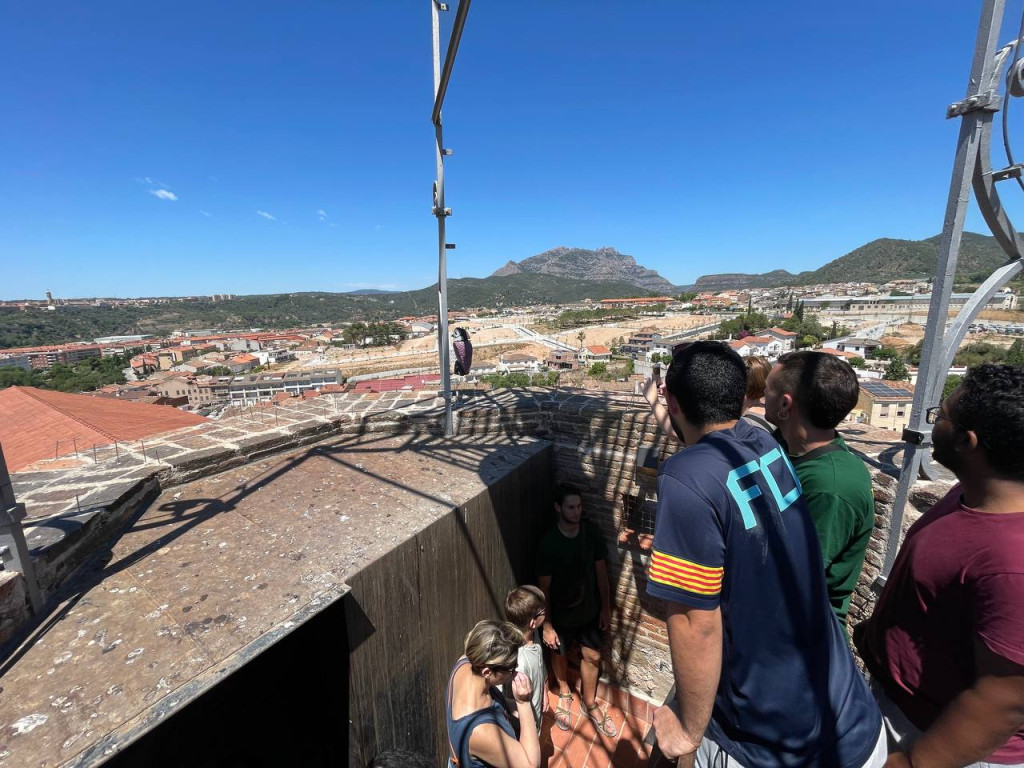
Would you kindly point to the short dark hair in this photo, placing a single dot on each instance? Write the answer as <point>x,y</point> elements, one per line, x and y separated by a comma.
<point>824,386</point>
<point>709,380</point>
<point>564,490</point>
<point>992,406</point>
<point>400,758</point>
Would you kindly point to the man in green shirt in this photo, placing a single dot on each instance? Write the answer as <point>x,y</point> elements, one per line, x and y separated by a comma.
<point>806,396</point>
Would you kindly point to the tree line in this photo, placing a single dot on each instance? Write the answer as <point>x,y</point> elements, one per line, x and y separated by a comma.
<point>85,376</point>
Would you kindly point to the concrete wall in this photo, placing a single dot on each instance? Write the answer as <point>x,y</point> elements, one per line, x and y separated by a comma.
<point>408,612</point>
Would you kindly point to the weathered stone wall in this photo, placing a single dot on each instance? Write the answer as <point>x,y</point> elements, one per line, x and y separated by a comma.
<point>922,496</point>
<point>596,438</point>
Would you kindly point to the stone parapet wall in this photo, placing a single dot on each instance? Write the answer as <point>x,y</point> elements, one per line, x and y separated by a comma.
<point>596,438</point>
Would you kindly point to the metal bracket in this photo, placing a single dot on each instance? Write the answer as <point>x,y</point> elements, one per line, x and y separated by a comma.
<point>914,437</point>
<point>441,211</point>
<point>447,152</point>
<point>449,246</point>
<point>1011,172</point>
<point>987,102</point>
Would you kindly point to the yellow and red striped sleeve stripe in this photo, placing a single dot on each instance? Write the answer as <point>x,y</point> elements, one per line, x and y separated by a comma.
<point>685,574</point>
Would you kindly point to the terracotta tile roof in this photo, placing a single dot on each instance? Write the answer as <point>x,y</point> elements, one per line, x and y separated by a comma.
<point>411,382</point>
<point>599,350</point>
<point>839,353</point>
<point>32,421</point>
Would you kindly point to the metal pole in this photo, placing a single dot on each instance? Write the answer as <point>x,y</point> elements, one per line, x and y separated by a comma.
<point>12,536</point>
<point>441,79</point>
<point>972,113</point>
<point>440,213</point>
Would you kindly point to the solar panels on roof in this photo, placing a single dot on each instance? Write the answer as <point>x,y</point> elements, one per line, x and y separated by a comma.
<point>882,389</point>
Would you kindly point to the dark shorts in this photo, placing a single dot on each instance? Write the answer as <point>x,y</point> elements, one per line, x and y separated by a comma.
<point>588,635</point>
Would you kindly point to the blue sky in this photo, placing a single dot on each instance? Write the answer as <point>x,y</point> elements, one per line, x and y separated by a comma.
<point>262,147</point>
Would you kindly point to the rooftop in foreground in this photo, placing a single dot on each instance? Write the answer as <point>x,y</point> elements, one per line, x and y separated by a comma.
<point>214,571</point>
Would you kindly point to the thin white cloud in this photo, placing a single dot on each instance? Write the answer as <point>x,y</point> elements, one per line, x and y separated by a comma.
<point>322,214</point>
<point>163,194</point>
<point>205,213</point>
<point>148,180</point>
<point>265,215</point>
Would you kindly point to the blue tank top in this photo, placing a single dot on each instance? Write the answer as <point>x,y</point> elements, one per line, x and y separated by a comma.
<point>460,730</point>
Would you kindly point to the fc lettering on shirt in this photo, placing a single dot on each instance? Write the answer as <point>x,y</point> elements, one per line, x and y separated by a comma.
<point>744,495</point>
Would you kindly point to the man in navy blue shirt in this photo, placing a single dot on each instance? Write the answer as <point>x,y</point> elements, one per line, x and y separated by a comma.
<point>763,671</point>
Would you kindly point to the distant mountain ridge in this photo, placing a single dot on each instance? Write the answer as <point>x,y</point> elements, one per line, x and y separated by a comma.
<point>878,261</point>
<point>583,264</point>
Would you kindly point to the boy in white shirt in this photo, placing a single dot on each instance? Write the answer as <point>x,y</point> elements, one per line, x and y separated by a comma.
<point>525,607</point>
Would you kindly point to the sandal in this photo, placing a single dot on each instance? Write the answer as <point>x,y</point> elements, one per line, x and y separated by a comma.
<point>563,715</point>
<point>604,724</point>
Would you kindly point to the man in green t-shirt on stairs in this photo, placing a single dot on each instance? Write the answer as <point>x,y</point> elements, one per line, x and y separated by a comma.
<point>807,395</point>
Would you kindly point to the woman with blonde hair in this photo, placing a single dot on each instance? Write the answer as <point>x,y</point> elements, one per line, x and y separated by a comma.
<point>479,732</point>
<point>758,369</point>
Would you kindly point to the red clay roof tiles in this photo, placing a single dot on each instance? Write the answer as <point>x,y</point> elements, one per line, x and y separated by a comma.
<point>32,421</point>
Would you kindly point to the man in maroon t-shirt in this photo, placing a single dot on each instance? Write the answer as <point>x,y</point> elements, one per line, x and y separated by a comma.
<point>945,645</point>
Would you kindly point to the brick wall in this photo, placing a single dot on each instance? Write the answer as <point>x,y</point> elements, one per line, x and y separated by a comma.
<point>596,436</point>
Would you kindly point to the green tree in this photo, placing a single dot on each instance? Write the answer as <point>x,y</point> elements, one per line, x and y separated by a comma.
<point>952,382</point>
<point>809,340</point>
<point>19,377</point>
<point>857,362</point>
<point>547,379</point>
<point>896,370</point>
<point>507,380</point>
<point>218,370</point>
<point>598,369</point>
<point>630,367</point>
<point>1015,354</point>
<point>751,322</point>
<point>980,352</point>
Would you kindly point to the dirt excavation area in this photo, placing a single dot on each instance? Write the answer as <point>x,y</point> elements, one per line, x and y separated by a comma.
<point>609,335</point>
<point>491,339</point>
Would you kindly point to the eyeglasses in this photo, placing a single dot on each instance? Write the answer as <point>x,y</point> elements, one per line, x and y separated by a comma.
<point>540,613</point>
<point>932,415</point>
<point>511,668</point>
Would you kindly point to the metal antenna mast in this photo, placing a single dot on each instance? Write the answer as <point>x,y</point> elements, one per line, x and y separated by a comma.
<point>441,78</point>
<point>971,166</point>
